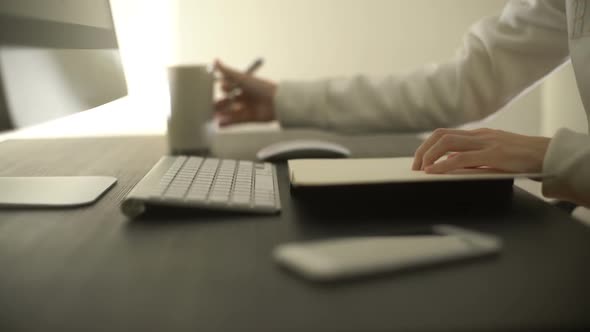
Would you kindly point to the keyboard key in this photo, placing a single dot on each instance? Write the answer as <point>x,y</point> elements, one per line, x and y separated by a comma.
<point>228,184</point>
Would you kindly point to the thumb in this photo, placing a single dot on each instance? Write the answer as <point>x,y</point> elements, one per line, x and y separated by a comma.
<point>255,86</point>
<point>231,74</point>
<point>248,83</point>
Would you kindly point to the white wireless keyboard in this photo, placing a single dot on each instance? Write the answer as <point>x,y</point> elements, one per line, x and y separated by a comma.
<point>207,183</point>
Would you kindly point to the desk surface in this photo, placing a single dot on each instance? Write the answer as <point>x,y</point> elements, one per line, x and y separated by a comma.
<point>92,269</point>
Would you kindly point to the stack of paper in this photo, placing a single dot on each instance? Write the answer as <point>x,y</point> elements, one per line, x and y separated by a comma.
<point>331,172</point>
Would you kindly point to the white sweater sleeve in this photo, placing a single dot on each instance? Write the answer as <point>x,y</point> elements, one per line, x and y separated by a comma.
<point>568,160</point>
<point>501,57</point>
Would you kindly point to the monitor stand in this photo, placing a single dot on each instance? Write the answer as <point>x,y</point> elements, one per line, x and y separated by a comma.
<point>52,191</point>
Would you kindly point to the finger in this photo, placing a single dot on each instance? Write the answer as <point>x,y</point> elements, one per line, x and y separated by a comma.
<point>248,84</point>
<point>454,154</point>
<point>226,103</point>
<point>228,86</point>
<point>228,118</point>
<point>235,112</point>
<point>231,75</point>
<point>430,141</point>
<point>222,104</point>
<point>461,160</point>
<point>451,155</point>
<point>450,143</point>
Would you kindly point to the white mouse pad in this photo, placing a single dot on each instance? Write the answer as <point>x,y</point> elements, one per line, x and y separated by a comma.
<point>52,191</point>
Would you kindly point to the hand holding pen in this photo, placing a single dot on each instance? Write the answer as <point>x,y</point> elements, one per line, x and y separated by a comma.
<point>246,98</point>
<point>234,89</point>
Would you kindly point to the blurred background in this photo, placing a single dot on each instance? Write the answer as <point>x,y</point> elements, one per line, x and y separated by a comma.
<point>307,39</point>
<point>299,39</point>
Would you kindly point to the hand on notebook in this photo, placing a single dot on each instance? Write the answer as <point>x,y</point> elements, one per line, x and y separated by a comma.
<point>247,98</point>
<point>480,148</point>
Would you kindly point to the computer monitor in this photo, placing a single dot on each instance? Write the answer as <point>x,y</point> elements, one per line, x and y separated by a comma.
<point>57,57</point>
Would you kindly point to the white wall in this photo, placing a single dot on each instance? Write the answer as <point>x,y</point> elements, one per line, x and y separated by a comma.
<point>146,43</point>
<point>305,39</point>
<point>316,38</point>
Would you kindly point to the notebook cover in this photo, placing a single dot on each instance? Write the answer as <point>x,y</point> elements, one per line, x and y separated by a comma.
<point>334,172</point>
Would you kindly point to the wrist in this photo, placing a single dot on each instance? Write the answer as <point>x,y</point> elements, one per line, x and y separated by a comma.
<point>541,146</point>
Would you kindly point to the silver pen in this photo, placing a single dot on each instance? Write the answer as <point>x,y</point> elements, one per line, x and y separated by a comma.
<point>254,66</point>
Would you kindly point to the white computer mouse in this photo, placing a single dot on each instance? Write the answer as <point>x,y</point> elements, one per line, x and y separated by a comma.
<point>302,148</point>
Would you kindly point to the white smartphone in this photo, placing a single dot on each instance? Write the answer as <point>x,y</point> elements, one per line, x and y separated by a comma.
<point>341,258</point>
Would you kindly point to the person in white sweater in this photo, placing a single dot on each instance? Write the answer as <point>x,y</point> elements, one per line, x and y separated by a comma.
<point>500,58</point>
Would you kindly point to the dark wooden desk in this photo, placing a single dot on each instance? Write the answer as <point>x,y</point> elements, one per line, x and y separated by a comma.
<point>91,269</point>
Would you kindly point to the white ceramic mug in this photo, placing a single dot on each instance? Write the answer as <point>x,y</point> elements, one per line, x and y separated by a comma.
<point>191,107</point>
